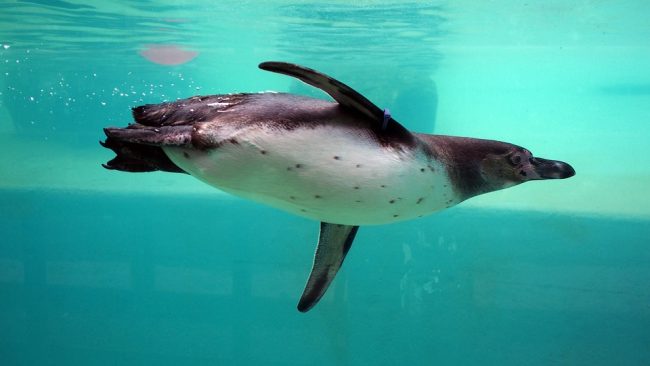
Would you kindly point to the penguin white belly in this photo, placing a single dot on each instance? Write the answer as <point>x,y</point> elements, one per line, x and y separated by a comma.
<point>327,173</point>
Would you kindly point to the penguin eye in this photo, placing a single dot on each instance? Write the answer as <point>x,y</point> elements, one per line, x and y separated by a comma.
<point>515,159</point>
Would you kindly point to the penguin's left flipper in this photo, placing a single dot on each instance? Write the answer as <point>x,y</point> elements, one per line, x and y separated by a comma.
<point>334,242</point>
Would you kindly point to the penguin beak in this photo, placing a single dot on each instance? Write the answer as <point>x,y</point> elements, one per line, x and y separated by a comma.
<point>552,169</point>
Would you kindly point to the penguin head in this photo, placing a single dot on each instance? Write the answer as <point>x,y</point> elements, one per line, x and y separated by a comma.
<point>517,165</point>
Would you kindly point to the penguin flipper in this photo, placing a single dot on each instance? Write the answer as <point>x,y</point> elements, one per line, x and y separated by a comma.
<point>342,93</point>
<point>334,242</point>
<point>382,122</point>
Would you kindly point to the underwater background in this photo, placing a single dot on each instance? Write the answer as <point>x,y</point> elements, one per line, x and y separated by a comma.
<point>99,267</point>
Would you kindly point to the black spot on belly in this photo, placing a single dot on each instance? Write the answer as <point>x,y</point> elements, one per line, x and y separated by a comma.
<point>356,187</point>
<point>263,152</point>
<point>395,215</point>
<point>422,170</point>
<point>383,186</point>
<point>292,197</point>
<point>419,200</point>
<point>358,201</point>
<point>358,165</point>
<point>337,158</point>
<point>303,210</point>
<point>391,201</point>
<point>298,166</point>
<point>186,155</point>
<point>317,196</point>
<point>289,168</point>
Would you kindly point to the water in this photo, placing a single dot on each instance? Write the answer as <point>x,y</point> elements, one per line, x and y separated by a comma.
<point>100,267</point>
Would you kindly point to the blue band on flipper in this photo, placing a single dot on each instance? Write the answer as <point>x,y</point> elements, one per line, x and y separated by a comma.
<point>386,119</point>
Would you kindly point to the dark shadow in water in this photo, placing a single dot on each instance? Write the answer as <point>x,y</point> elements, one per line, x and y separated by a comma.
<point>626,89</point>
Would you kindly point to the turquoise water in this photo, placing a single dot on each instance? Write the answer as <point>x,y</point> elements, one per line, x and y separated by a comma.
<point>100,267</point>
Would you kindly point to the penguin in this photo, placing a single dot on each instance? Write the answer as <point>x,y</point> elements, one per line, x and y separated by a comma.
<point>344,162</point>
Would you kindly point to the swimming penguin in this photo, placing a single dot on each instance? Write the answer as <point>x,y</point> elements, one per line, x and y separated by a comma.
<point>344,163</point>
